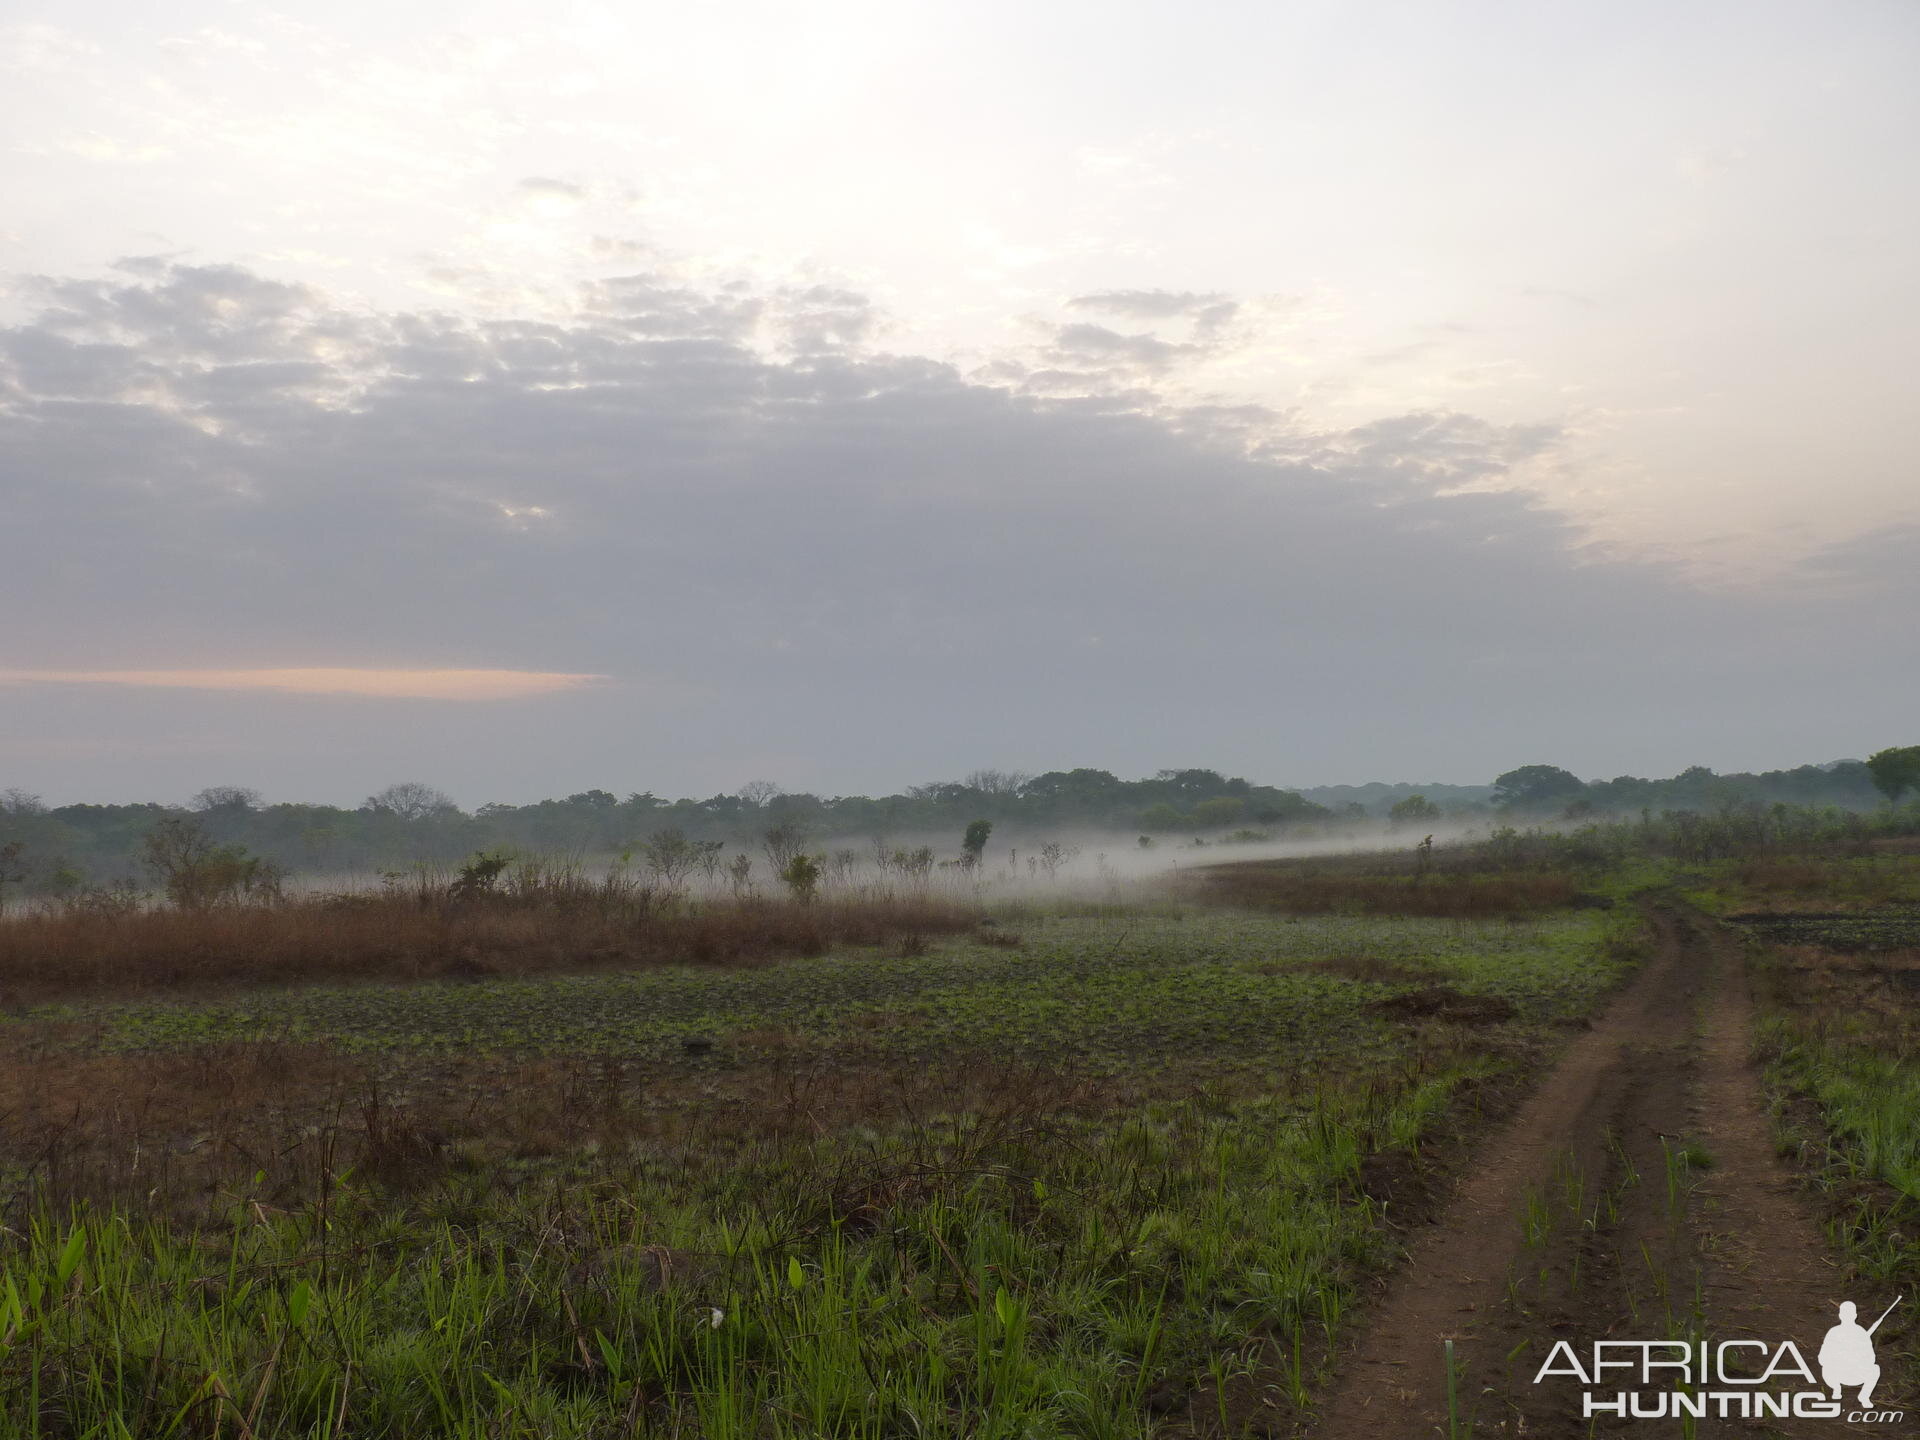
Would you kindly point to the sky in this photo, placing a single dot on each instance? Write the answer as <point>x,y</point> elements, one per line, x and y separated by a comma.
<point>526,399</point>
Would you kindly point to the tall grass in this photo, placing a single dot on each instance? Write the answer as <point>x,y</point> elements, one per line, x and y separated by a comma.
<point>429,931</point>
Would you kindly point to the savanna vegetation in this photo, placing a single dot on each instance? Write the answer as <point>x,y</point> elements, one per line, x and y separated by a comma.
<point>520,1148</point>
<point>1835,947</point>
<point>70,851</point>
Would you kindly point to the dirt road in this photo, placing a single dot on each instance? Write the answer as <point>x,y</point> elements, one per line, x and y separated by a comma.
<point>1636,1196</point>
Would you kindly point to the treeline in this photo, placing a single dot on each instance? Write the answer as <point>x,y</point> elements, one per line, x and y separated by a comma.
<point>70,845</point>
<point>48,850</point>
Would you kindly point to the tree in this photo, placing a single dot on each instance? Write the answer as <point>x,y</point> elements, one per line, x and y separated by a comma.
<point>1536,787</point>
<point>1414,810</point>
<point>1054,854</point>
<point>1217,813</point>
<point>411,801</point>
<point>783,842</point>
<point>802,877</point>
<point>230,799</point>
<point>1195,785</point>
<point>1271,806</point>
<point>997,782</point>
<point>1895,771</point>
<point>740,875</point>
<point>912,866</point>
<point>1161,817</point>
<point>973,845</point>
<point>13,868</point>
<point>480,874</point>
<point>671,857</point>
<point>757,792</point>
<point>1078,787</point>
<point>197,874</point>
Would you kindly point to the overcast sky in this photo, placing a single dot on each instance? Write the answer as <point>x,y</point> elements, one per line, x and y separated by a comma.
<point>526,398</point>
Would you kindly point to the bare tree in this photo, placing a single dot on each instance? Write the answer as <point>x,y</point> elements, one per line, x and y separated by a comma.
<point>15,801</point>
<point>13,869</point>
<point>671,857</point>
<point>782,843</point>
<point>410,801</point>
<point>842,865</point>
<point>912,866</point>
<point>1053,855</point>
<point>758,792</point>
<point>226,797</point>
<point>740,875</point>
<point>997,782</point>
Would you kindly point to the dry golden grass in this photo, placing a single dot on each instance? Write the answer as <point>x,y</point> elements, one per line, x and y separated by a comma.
<point>1800,882</point>
<point>403,937</point>
<point>1286,885</point>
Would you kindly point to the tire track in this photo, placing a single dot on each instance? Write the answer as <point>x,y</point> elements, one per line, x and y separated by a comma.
<point>1580,1221</point>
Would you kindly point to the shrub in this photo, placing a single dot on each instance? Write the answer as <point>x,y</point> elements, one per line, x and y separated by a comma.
<point>802,878</point>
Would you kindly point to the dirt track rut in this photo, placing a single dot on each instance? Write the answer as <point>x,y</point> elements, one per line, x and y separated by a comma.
<point>1582,1220</point>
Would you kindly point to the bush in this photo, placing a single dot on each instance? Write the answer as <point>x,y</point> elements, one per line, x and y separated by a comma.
<point>802,878</point>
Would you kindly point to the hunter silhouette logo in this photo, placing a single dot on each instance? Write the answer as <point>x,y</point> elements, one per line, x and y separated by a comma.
<point>1680,1379</point>
<point>1846,1355</point>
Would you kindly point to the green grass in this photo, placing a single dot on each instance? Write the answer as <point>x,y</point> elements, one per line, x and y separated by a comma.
<point>1862,1085</point>
<point>1103,989</point>
<point>1839,1030</point>
<point>1038,1290</point>
<point>1045,1269</point>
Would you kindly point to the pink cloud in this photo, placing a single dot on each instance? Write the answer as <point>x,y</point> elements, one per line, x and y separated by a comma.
<point>381,684</point>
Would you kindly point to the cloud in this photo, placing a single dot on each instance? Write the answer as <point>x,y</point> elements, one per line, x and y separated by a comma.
<point>815,547</point>
<point>541,187</point>
<point>1210,311</point>
<point>1150,304</point>
<point>380,684</point>
<point>1097,347</point>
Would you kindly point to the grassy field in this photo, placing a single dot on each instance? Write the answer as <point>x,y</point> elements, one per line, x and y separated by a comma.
<point>1074,1169</point>
<point>597,1162</point>
<point>1835,946</point>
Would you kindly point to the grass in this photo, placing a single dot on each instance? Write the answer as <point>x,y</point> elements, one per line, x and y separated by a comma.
<point>1090,1174</point>
<point>1002,1301</point>
<point>1835,949</point>
<point>566,925</point>
<point>1307,888</point>
<point>1223,985</point>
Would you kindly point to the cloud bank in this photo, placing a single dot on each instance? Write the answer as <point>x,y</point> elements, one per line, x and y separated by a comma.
<point>379,684</point>
<point>790,549</point>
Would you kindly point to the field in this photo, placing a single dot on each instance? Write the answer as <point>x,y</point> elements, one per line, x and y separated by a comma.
<point>1840,1030</point>
<point>1149,1163</point>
